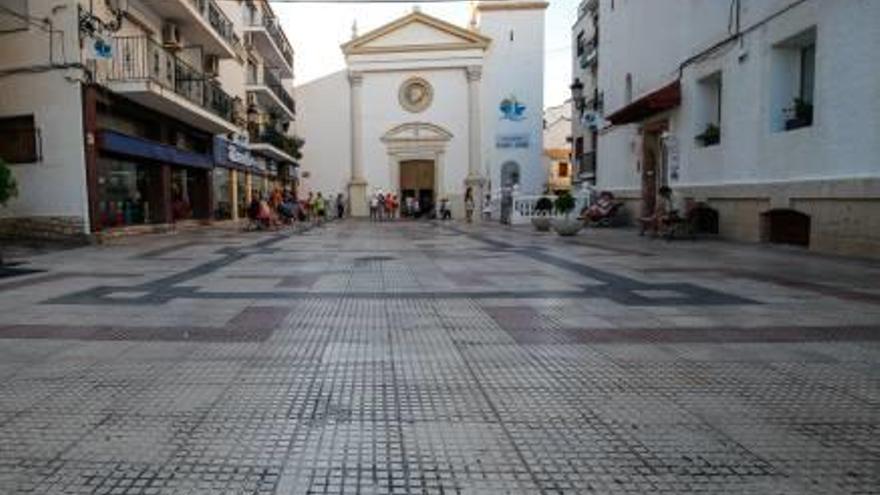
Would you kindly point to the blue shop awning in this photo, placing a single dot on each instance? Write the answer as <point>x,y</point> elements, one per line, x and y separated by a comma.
<point>122,144</point>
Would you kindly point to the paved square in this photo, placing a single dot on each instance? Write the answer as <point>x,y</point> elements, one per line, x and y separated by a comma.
<point>426,358</point>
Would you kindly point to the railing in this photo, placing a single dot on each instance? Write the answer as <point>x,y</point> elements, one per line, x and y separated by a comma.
<point>274,84</point>
<point>218,20</point>
<point>270,24</point>
<point>138,58</point>
<point>525,207</point>
<point>590,54</point>
<point>21,145</point>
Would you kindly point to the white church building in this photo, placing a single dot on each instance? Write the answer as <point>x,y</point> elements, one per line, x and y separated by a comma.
<point>429,109</point>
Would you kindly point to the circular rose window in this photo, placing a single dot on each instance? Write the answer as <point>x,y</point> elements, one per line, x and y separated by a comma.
<point>416,95</point>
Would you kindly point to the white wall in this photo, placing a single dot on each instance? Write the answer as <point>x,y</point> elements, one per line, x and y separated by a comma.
<point>382,111</point>
<point>843,140</point>
<point>514,67</point>
<point>323,120</point>
<point>55,186</point>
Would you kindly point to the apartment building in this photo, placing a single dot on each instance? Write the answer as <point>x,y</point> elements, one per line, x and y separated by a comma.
<point>765,111</point>
<point>132,115</point>
<point>586,96</point>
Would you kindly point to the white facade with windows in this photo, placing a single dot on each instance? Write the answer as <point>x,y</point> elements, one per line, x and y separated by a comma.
<point>790,86</point>
<point>428,109</point>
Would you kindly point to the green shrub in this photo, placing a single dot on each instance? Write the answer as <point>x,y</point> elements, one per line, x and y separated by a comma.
<point>565,203</point>
<point>544,206</point>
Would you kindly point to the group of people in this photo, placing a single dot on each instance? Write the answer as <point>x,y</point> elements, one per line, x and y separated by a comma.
<point>384,206</point>
<point>283,208</point>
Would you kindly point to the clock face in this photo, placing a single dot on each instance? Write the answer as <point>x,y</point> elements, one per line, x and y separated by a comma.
<point>416,95</point>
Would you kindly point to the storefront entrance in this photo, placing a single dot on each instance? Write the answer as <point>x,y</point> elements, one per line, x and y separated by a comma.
<point>417,181</point>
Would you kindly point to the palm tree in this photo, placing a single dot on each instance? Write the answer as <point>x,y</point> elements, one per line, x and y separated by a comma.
<point>8,189</point>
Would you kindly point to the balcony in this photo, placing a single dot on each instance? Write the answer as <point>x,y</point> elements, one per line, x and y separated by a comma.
<point>267,37</point>
<point>590,54</point>
<point>273,144</point>
<point>203,23</point>
<point>147,73</point>
<point>271,93</point>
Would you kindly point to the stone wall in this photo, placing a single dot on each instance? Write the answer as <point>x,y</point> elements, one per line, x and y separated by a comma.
<point>55,229</point>
<point>844,214</point>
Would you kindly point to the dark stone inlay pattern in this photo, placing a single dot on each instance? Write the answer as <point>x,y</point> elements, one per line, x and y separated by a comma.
<point>254,324</point>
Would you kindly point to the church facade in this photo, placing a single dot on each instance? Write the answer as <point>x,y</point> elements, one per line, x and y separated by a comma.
<point>428,109</point>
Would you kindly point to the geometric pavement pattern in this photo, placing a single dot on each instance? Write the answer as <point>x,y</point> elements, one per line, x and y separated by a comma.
<point>414,358</point>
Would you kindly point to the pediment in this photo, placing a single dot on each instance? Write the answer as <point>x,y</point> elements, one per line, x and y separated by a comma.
<point>416,32</point>
<point>416,131</point>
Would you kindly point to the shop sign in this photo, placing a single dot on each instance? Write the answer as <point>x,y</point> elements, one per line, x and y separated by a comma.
<point>239,152</point>
<point>512,141</point>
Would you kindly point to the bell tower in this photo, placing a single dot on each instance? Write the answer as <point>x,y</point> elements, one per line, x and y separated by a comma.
<point>513,92</point>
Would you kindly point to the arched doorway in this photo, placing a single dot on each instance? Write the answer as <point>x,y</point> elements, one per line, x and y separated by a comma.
<point>416,166</point>
<point>785,226</point>
<point>510,174</point>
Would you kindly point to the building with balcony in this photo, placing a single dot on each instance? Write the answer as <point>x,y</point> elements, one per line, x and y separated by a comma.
<point>586,95</point>
<point>138,120</point>
<point>765,111</point>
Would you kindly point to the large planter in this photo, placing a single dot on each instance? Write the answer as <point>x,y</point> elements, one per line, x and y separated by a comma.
<point>567,227</point>
<point>541,224</point>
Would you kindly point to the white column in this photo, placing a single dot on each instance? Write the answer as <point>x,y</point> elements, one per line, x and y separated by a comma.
<point>357,187</point>
<point>475,180</point>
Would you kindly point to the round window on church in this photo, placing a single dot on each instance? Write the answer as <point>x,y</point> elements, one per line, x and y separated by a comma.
<point>416,95</point>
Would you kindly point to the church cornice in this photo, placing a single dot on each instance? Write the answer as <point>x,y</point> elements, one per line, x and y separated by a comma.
<point>469,39</point>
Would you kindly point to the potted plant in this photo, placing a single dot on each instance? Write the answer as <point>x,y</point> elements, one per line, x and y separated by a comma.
<point>799,115</point>
<point>8,190</point>
<point>566,226</point>
<point>543,208</point>
<point>710,136</point>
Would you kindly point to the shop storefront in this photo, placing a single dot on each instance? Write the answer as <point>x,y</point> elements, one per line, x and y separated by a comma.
<point>233,161</point>
<point>142,182</point>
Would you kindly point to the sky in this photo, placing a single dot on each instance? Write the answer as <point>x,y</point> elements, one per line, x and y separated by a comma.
<point>317,30</point>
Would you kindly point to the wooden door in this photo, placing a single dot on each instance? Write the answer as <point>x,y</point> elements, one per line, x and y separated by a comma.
<point>417,179</point>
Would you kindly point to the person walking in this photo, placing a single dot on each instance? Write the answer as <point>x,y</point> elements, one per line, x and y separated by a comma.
<point>320,208</point>
<point>389,206</point>
<point>340,206</point>
<point>374,207</point>
<point>469,205</point>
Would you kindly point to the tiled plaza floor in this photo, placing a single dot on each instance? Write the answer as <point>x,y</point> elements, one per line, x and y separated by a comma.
<point>422,358</point>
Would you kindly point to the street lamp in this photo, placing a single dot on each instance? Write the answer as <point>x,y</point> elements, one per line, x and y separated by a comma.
<point>577,94</point>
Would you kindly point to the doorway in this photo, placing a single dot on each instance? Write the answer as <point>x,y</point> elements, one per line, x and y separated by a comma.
<point>417,182</point>
<point>652,156</point>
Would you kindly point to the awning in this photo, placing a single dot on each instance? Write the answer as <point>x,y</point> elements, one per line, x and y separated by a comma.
<point>657,101</point>
<point>123,144</point>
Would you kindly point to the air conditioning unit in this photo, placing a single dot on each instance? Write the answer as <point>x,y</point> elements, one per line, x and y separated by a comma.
<point>212,65</point>
<point>171,36</point>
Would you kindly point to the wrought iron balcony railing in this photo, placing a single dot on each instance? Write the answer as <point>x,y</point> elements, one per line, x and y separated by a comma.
<point>218,21</point>
<point>138,58</point>
<point>274,84</point>
<point>276,33</point>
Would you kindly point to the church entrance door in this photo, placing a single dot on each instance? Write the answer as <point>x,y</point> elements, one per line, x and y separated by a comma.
<point>417,182</point>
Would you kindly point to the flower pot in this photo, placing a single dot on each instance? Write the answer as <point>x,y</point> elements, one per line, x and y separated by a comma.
<point>541,224</point>
<point>567,227</point>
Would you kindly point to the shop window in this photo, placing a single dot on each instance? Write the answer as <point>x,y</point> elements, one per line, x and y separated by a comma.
<point>708,110</point>
<point>222,196</point>
<point>21,140</point>
<point>241,200</point>
<point>127,193</point>
<point>793,81</point>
